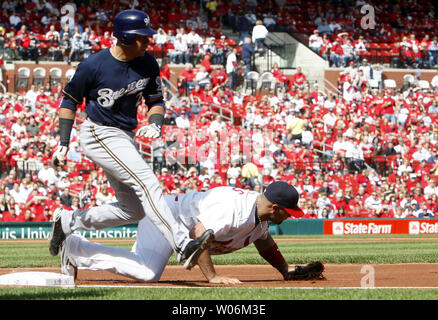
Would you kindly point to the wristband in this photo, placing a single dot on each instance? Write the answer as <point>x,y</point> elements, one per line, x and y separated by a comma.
<point>65,126</point>
<point>274,257</point>
<point>157,118</point>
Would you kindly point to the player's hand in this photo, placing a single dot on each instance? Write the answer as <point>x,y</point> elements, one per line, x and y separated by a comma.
<point>58,158</point>
<point>224,280</point>
<point>149,131</point>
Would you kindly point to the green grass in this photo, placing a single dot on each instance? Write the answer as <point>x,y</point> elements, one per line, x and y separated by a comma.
<point>16,255</point>
<point>213,294</point>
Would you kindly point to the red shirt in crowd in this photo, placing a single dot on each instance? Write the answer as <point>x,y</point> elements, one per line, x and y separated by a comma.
<point>187,75</point>
<point>219,78</point>
<point>298,79</point>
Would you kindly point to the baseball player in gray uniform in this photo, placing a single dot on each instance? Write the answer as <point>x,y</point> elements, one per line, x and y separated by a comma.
<point>238,218</point>
<point>113,83</point>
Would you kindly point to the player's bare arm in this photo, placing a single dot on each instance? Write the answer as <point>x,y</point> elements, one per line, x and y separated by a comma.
<point>67,113</point>
<point>157,109</point>
<point>206,264</point>
<point>269,250</point>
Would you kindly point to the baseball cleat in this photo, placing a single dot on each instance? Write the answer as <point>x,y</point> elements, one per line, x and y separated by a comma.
<point>57,236</point>
<point>67,267</point>
<point>195,247</point>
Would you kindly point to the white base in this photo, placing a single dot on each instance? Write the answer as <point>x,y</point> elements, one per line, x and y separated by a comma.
<point>47,279</point>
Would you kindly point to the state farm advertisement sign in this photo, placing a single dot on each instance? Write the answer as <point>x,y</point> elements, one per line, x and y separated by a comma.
<point>423,227</point>
<point>381,226</point>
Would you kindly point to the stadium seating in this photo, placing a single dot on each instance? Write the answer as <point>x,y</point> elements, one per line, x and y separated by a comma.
<point>251,81</point>
<point>390,83</point>
<point>55,76</point>
<point>39,76</point>
<point>267,121</point>
<point>23,76</point>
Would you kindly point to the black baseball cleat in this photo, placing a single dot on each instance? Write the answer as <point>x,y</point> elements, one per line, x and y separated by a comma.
<point>194,248</point>
<point>57,236</point>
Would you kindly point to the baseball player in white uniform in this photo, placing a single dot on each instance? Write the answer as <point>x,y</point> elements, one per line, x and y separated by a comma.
<point>237,217</point>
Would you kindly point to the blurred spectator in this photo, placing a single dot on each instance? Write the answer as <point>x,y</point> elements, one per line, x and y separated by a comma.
<point>187,77</point>
<point>74,154</point>
<point>231,69</point>
<point>179,54</point>
<point>299,78</point>
<point>336,54</point>
<point>355,157</point>
<point>202,77</point>
<point>251,17</point>
<point>243,27</point>
<point>359,49</point>
<point>47,174</point>
<point>259,33</point>
<point>250,173</point>
<point>103,195</point>
<point>269,22</point>
<point>324,28</point>
<point>296,125</point>
<point>158,147</point>
<point>424,212</point>
<point>247,53</point>
<point>182,121</point>
<point>325,189</point>
<point>211,7</point>
<point>106,41</point>
<point>348,53</point>
<point>217,124</point>
<point>214,25</point>
<point>15,20</point>
<point>373,202</point>
<point>315,41</point>
<point>65,46</point>
<point>77,48</point>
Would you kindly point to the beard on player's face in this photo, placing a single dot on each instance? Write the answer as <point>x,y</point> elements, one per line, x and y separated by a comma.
<point>278,215</point>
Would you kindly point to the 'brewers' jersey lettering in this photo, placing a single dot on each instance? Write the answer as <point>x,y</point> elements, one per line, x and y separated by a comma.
<point>107,97</point>
<point>114,89</point>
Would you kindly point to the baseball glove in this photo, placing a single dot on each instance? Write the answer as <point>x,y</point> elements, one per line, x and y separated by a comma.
<point>312,271</point>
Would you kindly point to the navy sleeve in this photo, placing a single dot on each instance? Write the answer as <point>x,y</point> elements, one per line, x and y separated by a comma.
<point>78,87</point>
<point>153,94</point>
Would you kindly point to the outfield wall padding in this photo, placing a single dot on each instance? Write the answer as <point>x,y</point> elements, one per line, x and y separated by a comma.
<point>41,230</point>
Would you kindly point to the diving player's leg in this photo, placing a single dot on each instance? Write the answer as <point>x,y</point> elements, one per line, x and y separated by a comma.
<point>147,265</point>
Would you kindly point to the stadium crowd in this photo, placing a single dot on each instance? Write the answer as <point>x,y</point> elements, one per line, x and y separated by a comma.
<point>364,151</point>
<point>402,34</point>
<point>368,153</point>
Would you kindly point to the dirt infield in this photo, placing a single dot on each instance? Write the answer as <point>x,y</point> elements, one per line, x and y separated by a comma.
<point>337,275</point>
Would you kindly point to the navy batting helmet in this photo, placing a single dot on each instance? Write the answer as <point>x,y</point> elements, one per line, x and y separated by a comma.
<point>128,23</point>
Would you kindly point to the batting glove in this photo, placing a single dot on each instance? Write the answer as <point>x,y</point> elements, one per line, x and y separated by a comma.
<point>59,155</point>
<point>149,131</point>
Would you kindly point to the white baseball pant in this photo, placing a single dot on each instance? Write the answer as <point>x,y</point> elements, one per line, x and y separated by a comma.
<point>145,262</point>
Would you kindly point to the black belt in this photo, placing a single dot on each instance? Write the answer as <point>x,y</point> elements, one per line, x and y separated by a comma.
<point>108,124</point>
